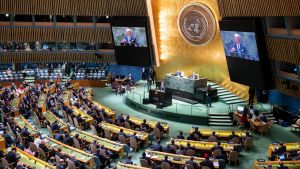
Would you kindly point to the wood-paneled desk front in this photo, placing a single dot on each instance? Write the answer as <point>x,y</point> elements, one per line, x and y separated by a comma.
<point>42,102</point>
<point>202,145</point>
<point>32,161</point>
<point>176,158</point>
<point>80,155</point>
<point>289,147</point>
<point>66,97</point>
<point>22,122</point>
<point>87,118</point>
<point>152,124</point>
<point>108,144</point>
<point>2,143</point>
<point>52,118</point>
<point>222,134</point>
<point>116,129</point>
<point>275,164</point>
<point>129,166</point>
<point>108,111</point>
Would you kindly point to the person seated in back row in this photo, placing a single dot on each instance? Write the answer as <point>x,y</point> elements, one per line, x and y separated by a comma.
<point>233,135</point>
<point>168,149</point>
<point>196,131</point>
<point>191,137</point>
<point>189,147</point>
<point>216,147</point>
<point>207,163</point>
<point>280,150</point>
<point>144,126</point>
<point>156,146</point>
<point>192,162</point>
<point>180,150</point>
<point>122,133</point>
<point>166,159</point>
<point>180,136</point>
<point>144,156</point>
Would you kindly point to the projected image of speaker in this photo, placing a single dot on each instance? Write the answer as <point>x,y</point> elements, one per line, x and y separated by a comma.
<point>240,44</point>
<point>245,49</point>
<point>132,42</point>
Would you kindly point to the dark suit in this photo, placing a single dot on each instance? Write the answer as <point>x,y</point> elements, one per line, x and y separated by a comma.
<point>207,163</point>
<point>168,149</point>
<point>281,150</point>
<point>11,157</point>
<point>44,148</point>
<point>193,163</point>
<point>240,52</point>
<point>282,167</point>
<point>156,147</point>
<point>180,137</point>
<point>132,41</point>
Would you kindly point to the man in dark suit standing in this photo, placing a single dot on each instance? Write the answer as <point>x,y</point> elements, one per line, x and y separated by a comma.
<point>238,49</point>
<point>208,96</point>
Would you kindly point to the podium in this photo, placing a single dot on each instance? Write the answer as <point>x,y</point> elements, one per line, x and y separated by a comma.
<point>160,98</point>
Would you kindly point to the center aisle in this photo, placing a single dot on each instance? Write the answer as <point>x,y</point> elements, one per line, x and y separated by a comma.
<point>108,98</point>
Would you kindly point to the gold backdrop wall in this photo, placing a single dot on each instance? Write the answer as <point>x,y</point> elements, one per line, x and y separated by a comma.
<point>175,53</point>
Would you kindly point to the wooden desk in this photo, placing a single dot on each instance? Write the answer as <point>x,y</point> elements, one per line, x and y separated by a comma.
<point>222,134</point>
<point>52,118</point>
<point>108,111</point>
<point>74,85</point>
<point>90,83</point>
<point>80,155</point>
<point>22,122</point>
<point>159,156</point>
<point>66,97</point>
<point>257,123</point>
<point>88,92</point>
<point>32,160</point>
<point>52,88</point>
<point>24,92</point>
<point>42,102</point>
<point>289,164</point>
<point>202,145</point>
<point>15,105</point>
<point>152,124</point>
<point>87,118</point>
<point>2,143</point>
<point>289,147</point>
<point>116,129</point>
<point>108,144</point>
<point>128,166</point>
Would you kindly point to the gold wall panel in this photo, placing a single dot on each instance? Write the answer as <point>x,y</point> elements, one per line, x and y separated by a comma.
<point>175,53</point>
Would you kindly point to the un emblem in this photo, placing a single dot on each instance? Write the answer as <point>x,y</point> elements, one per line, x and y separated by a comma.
<point>197,24</point>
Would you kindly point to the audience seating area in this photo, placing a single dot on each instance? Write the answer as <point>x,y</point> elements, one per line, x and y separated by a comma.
<point>6,76</point>
<point>92,75</point>
<point>62,125</point>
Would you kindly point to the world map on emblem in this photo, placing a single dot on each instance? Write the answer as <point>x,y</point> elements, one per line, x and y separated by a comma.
<point>197,24</point>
